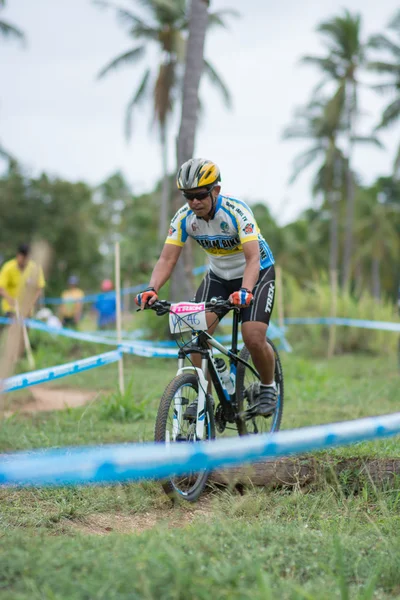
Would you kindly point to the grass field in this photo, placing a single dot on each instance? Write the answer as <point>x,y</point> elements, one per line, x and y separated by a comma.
<point>127,541</point>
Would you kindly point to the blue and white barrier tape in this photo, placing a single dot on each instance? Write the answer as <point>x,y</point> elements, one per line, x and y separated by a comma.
<point>146,348</point>
<point>365,324</point>
<point>118,463</point>
<point>18,382</point>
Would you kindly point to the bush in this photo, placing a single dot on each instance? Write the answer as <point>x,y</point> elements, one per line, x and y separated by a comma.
<point>314,300</point>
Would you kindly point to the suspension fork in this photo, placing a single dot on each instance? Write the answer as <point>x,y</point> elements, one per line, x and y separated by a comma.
<point>201,399</point>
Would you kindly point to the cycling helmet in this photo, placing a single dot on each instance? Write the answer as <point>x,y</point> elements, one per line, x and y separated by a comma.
<point>106,285</point>
<point>198,172</point>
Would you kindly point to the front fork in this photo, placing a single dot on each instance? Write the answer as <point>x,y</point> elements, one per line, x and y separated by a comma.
<point>201,399</point>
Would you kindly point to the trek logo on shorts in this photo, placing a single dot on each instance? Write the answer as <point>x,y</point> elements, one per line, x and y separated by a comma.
<point>270,298</point>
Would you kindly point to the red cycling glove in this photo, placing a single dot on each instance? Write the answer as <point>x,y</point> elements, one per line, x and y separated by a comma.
<point>241,298</point>
<point>143,298</point>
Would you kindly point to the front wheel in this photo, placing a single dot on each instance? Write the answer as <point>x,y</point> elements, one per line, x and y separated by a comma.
<point>247,390</point>
<point>171,427</point>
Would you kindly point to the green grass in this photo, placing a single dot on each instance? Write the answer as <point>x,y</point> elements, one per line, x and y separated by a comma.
<point>324,542</point>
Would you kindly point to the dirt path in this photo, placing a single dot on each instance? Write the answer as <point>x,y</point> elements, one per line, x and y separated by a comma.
<point>54,399</point>
<point>105,523</point>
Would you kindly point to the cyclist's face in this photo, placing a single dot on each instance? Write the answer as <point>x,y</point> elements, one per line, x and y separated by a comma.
<point>202,204</point>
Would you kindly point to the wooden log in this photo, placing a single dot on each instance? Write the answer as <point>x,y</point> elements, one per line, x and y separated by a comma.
<point>306,471</point>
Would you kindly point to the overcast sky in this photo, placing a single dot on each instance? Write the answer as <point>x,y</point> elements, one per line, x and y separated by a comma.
<point>55,116</point>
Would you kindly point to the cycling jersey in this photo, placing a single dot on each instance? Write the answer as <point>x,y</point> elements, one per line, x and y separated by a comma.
<point>223,236</point>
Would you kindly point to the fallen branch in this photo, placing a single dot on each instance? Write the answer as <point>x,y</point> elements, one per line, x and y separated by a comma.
<point>308,471</point>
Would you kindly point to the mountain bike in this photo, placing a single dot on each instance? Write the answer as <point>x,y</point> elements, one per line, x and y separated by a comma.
<point>235,411</point>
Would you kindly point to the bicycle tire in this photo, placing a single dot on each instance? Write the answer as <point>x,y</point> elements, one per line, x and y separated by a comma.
<point>176,487</point>
<point>258,424</point>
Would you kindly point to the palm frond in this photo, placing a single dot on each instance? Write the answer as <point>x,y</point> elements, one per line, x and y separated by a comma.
<point>138,27</point>
<point>7,30</point>
<point>396,164</point>
<point>165,11</point>
<point>163,93</point>
<point>136,99</point>
<point>390,114</point>
<point>343,36</point>
<point>384,88</point>
<point>298,132</point>
<point>394,23</point>
<point>381,42</point>
<point>5,154</point>
<point>218,83</point>
<point>218,18</point>
<point>129,57</point>
<point>325,63</point>
<point>368,139</point>
<point>384,67</point>
<point>304,160</point>
<point>319,87</point>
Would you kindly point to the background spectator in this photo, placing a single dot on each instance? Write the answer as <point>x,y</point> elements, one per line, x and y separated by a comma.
<point>106,306</point>
<point>70,311</point>
<point>15,275</point>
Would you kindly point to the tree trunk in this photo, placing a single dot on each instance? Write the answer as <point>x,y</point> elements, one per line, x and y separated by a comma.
<point>352,473</point>
<point>348,236</point>
<point>376,278</point>
<point>198,21</point>
<point>333,231</point>
<point>350,195</point>
<point>194,64</point>
<point>165,191</point>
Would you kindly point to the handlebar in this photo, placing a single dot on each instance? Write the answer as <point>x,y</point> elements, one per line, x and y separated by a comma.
<point>162,307</point>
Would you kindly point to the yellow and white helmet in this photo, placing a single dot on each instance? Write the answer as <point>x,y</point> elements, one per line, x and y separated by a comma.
<point>198,172</point>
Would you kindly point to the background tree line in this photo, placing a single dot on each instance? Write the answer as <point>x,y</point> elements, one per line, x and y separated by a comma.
<point>82,223</point>
<point>352,230</point>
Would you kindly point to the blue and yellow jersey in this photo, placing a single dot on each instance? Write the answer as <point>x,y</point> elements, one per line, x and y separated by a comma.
<point>223,236</point>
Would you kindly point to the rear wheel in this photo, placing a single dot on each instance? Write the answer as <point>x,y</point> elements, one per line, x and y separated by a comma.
<point>247,389</point>
<point>172,428</point>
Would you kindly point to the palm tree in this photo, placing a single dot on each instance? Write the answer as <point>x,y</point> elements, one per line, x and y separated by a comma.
<point>391,68</point>
<point>163,27</point>
<point>7,30</point>
<point>318,123</point>
<point>345,55</point>
<point>377,230</point>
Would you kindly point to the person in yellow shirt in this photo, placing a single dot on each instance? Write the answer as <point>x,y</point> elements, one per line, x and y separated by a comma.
<point>15,275</point>
<point>71,312</point>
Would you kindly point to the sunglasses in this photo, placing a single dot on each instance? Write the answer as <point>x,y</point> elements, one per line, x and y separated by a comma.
<point>196,195</point>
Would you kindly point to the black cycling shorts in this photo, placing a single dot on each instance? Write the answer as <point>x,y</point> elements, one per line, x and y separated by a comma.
<point>264,293</point>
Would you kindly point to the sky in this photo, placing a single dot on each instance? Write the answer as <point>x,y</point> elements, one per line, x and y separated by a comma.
<point>55,116</point>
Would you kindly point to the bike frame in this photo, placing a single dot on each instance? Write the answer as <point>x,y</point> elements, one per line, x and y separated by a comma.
<point>201,345</point>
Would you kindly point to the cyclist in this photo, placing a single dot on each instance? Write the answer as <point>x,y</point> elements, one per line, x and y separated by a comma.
<point>241,265</point>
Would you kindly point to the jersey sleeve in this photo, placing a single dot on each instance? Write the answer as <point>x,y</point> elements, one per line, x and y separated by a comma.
<point>247,225</point>
<point>177,234</point>
<point>3,276</point>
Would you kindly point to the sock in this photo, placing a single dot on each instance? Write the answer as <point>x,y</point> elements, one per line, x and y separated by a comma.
<point>268,385</point>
